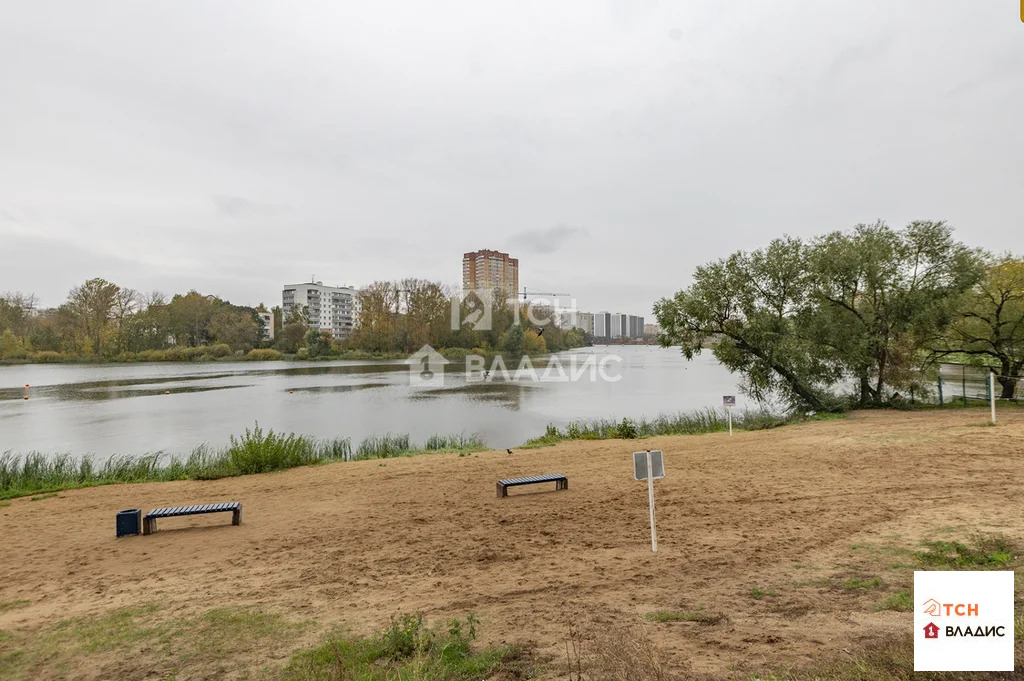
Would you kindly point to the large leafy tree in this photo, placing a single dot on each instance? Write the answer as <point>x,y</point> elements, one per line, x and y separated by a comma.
<point>92,305</point>
<point>881,293</point>
<point>752,307</point>
<point>990,322</point>
<point>795,318</point>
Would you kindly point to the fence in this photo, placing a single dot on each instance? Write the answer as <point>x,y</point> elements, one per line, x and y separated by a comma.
<point>966,382</point>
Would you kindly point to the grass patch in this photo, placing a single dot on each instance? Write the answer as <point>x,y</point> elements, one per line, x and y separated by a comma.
<point>700,615</point>
<point>454,443</point>
<point>145,644</point>
<point>682,423</point>
<point>889,661</point>
<point>43,496</point>
<point>4,504</point>
<point>10,605</point>
<point>256,451</point>
<point>862,583</point>
<point>384,447</point>
<point>901,601</point>
<point>985,550</point>
<point>757,593</point>
<point>407,649</point>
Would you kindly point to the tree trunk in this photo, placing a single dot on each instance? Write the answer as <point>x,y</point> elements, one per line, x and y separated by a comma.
<point>804,392</point>
<point>1009,375</point>
<point>865,391</point>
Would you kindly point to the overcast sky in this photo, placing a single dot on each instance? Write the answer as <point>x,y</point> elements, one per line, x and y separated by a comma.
<point>233,147</point>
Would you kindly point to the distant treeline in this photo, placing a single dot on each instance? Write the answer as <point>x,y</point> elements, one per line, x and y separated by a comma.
<point>876,306</point>
<point>103,321</point>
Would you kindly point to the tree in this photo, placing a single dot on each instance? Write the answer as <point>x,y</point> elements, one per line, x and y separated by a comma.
<point>754,305</point>
<point>11,346</point>
<point>91,305</point>
<point>989,323</point>
<point>318,342</point>
<point>235,327</point>
<point>189,317</point>
<point>882,293</point>
<point>795,318</point>
<point>126,304</point>
<point>512,341</point>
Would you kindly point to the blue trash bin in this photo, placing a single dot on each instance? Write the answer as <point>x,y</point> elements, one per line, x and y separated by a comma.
<point>129,522</point>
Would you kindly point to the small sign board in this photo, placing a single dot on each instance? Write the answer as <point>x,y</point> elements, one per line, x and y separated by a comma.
<point>728,400</point>
<point>640,465</point>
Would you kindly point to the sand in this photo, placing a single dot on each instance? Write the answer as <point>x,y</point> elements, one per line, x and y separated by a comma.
<point>788,511</point>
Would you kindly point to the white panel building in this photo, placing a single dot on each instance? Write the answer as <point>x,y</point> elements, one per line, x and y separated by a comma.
<point>330,308</point>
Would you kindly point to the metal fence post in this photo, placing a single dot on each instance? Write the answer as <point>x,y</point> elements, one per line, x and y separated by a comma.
<point>940,387</point>
<point>963,382</point>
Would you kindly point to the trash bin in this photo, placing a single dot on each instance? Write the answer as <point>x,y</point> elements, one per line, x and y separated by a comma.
<point>129,522</point>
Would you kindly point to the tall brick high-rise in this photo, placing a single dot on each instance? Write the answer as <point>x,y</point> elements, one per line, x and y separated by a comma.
<point>490,270</point>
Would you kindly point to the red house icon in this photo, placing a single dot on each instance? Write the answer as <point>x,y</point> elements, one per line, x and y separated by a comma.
<point>931,630</point>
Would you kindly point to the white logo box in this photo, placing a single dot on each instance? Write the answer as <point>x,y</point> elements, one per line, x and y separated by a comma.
<point>971,615</point>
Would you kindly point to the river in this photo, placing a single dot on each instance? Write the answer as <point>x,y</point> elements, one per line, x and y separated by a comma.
<point>106,409</point>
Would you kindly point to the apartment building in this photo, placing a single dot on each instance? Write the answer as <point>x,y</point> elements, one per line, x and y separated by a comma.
<point>330,308</point>
<point>486,269</point>
<point>266,324</point>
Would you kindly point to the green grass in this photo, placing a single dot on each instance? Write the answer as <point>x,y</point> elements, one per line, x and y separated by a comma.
<point>700,615</point>
<point>407,650</point>
<point>901,601</point>
<point>681,423</point>
<point>862,583</point>
<point>9,605</point>
<point>455,443</point>
<point>757,593</point>
<point>384,447</point>
<point>256,451</point>
<point>146,642</point>
<point>987,550</point>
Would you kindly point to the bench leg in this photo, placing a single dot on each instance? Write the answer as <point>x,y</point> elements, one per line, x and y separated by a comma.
<point>502,491</point>
<point>236,516</point>
<point>561,484</point>
<point>148,525</point>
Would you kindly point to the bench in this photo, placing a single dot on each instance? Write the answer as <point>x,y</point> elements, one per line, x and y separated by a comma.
<point>149,522</point>
<point>561,482</point>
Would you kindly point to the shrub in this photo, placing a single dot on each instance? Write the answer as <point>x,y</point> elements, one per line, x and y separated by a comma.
<point>302,353</point>
<point>219,350</point>
<point>47,356</point>
<point>455,354</point>
<point>255,452</point>
<point>627,429</point>
<point>264,354</point>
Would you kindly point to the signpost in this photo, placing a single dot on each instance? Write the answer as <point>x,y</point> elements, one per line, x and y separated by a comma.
<point>729,401</point>
<point>992,393</point>
<point>649,465</point>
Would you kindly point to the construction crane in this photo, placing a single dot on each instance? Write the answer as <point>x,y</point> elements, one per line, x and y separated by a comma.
<point>525,293</point>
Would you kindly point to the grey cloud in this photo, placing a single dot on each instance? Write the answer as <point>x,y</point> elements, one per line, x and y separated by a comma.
<point>546,240</point>
<point>237,207</point>
<point>237,146</point>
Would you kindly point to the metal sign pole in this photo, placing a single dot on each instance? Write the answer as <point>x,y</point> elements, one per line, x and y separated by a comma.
<point>992,393</point>
<point>650,495</point>
<point>730,421</point>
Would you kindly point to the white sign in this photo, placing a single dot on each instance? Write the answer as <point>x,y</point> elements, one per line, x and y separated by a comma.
<point>963,621</point>
<point>728,400</point>
<point>640,465</point>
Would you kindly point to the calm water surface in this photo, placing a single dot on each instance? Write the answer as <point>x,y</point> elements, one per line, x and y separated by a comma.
<point>124,408</point>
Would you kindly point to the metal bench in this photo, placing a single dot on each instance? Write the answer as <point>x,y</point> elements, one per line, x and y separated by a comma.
<point>149,522</point>
<point>561,482</point>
